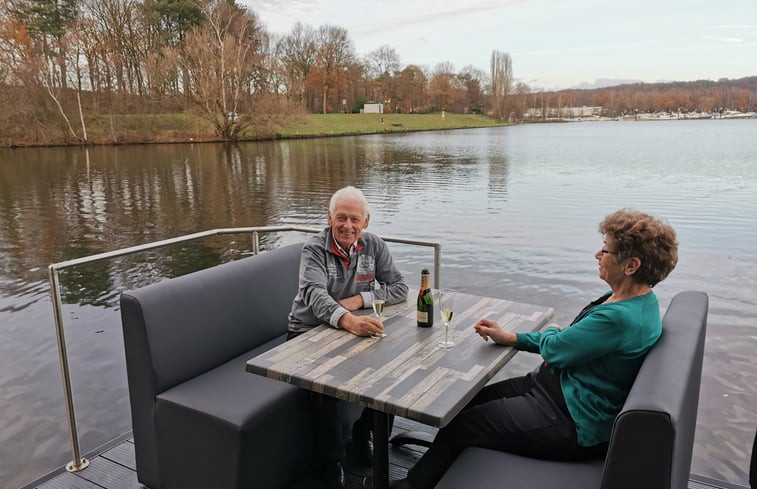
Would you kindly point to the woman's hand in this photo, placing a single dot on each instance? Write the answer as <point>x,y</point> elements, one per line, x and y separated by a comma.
<point>486,328</point>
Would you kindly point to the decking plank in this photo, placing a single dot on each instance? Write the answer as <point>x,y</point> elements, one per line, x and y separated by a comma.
<point>67,480</point>
<point>122,454</point>
<point>110,475</point>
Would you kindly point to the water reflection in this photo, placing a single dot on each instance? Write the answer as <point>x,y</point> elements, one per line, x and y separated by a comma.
<point>515,208</point>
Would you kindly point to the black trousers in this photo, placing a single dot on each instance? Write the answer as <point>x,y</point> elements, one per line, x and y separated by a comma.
<point>516,415</point>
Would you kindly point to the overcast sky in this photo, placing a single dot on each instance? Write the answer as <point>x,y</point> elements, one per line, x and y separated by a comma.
<point>553,43</point>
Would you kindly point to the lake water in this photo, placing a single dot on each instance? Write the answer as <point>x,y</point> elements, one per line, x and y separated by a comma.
<point>516,210</point>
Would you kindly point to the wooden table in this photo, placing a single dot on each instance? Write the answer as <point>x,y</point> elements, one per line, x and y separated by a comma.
<point>405,373</point>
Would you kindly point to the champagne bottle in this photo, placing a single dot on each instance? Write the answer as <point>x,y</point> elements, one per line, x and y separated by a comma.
<point>425,307</point>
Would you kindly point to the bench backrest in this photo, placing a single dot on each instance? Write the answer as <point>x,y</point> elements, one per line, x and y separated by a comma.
<point>188,325</point>
<point>653,436</point>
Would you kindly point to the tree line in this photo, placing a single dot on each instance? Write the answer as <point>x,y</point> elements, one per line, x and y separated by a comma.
<point>702,96</point>
<point>62,61</point>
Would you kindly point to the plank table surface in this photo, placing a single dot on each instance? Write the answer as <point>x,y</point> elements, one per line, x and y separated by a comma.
<point>405,373</point>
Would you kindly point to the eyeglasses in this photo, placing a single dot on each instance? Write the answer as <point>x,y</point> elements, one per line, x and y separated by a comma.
<point>608,252</point>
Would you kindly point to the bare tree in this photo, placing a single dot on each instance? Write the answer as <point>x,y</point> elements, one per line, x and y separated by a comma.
<point>39,36</point>
<point>383,60</point>
<point>335,53</point>
<point>297,53</point>
<point>501,83</point>
<point>411,88</point>
<point>381,66</point>
<point>445,90</point>
<point>223,58</point>
<point>475,81</point>
<point>521,94</point>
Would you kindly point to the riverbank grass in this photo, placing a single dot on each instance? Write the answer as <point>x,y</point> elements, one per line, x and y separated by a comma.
<point>335,124</point>
<point>184,128</point>
<point>176,128</point>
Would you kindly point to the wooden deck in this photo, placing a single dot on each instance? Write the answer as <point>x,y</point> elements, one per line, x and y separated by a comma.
<point>115,468</point>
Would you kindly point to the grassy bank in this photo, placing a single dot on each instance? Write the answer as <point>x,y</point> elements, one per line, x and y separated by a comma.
<point>331,124</point>
<point>178,128</point>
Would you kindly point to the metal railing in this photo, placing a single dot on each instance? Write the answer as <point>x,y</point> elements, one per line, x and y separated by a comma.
<point>78,462</point>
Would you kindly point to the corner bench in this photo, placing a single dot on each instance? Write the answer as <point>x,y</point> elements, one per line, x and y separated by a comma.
<point>199,419</point>
<point>652,437</point>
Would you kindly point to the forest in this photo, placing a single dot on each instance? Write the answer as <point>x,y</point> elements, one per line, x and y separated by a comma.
<point>68,64</point>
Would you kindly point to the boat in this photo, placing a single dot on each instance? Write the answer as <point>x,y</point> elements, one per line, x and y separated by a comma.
<point>112,465</point>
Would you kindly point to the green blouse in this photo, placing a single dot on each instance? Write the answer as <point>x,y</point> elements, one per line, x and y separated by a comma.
<point>598,357</point>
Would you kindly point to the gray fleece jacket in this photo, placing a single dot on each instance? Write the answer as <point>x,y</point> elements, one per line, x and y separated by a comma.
<point>327,276</point>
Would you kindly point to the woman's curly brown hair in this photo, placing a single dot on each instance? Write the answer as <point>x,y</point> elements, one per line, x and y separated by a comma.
<point>640,235</point>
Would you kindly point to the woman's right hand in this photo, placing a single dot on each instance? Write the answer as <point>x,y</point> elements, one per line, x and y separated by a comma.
<point>486,328</point>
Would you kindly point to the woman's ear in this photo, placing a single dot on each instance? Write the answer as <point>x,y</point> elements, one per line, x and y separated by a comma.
<point>632,264</point>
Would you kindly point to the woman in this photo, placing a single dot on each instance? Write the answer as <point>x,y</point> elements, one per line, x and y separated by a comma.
<point>565,409</point>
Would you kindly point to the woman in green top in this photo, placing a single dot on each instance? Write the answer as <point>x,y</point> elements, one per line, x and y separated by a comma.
<point>565,409</point>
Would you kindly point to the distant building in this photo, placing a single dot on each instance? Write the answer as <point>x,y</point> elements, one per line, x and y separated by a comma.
<point>373,108</point>
<point>582,112</point>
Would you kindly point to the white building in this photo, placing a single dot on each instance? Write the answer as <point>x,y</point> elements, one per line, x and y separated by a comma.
<point>373,108</point>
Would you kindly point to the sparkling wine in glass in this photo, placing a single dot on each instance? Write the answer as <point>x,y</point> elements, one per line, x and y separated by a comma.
<point>446,310</point>
<point>378,302</point>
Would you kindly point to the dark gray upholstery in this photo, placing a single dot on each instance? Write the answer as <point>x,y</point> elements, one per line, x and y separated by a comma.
<point>652,437</point>
<point>199,419</point>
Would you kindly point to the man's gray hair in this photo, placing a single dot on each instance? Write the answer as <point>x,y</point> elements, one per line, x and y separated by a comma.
<point>349,193</point>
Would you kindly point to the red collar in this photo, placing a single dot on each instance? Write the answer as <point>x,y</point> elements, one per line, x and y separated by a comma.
<point>338,251</point>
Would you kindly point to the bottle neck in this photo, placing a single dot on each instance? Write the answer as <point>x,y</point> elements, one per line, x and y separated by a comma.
<point>425,282</point>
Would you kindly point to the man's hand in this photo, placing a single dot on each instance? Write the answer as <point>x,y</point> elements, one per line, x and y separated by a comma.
<point>360,325</point>
<point>486,328</point>
<point>352,303</point>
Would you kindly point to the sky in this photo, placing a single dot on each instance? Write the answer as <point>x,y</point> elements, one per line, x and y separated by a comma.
<point>554,44</point>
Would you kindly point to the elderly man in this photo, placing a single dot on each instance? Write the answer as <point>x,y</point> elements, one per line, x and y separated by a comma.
<point>338,270</point>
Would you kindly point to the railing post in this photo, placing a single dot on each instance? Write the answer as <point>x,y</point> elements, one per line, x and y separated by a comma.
<point>77,462</point>
<point>255,243</point>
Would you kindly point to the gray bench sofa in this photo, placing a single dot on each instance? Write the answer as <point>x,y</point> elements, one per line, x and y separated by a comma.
<point>652,437</point>
<point>199,419</point>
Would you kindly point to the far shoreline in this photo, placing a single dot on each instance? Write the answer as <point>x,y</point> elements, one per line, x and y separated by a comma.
<point>189,129</point>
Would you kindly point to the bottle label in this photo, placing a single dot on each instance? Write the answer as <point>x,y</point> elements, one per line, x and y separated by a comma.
<point>422,317</point>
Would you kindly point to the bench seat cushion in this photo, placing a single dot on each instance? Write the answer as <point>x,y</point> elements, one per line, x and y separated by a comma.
<point>491,469</point>
<point>216,422</point>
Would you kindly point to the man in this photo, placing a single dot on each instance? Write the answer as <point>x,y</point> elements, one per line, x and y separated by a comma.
<point>338,269</point>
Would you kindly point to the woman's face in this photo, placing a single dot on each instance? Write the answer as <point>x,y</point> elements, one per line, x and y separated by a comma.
<point>610,268</point>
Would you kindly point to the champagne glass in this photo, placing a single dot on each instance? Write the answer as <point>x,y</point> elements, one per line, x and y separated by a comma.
<point>446,309</point>
<point>378,302</point>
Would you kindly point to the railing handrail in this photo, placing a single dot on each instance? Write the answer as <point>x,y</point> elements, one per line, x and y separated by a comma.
<point>79,463</point>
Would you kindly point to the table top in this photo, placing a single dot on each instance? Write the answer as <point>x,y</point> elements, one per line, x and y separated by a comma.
<point>405,373</point>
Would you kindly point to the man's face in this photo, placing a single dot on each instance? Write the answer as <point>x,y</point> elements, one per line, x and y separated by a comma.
<point>347,222</point>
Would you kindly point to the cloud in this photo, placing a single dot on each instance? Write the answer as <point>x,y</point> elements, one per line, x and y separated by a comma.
<point>299,5</point>
<point>425,14</point>
<point>723,39</point>
<point>736,26</point>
